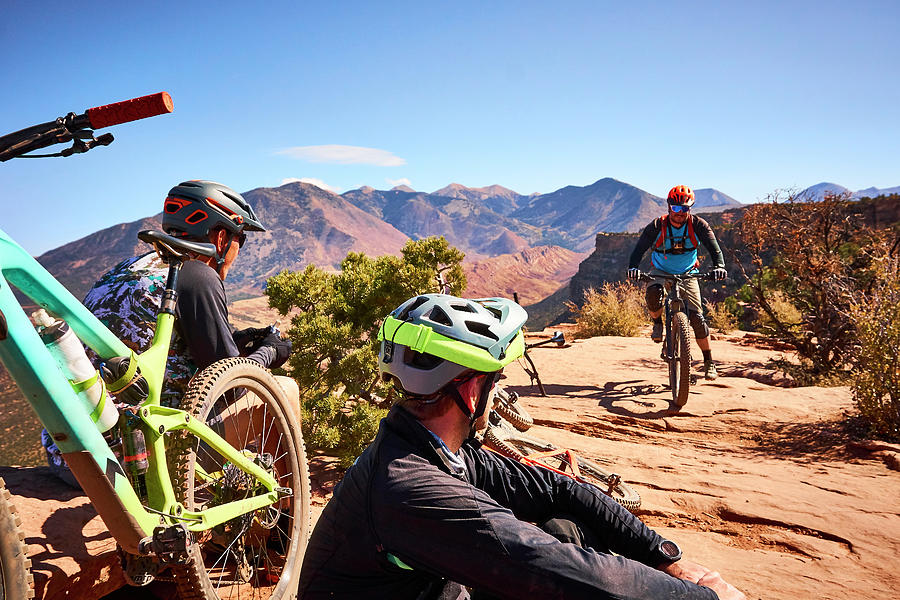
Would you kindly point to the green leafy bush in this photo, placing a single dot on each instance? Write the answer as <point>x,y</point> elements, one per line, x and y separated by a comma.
<point>334,331</point>
<point>876,383</point>
<point>616,309</point>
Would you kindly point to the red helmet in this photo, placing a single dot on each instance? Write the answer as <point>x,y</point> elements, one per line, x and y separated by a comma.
<point>681,195</point>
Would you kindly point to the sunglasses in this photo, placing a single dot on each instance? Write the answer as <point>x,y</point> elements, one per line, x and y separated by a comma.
<point>677,208</point>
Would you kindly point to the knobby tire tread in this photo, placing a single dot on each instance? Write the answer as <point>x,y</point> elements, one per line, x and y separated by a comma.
<point>192,580</point>
<point>682,338</point>
<point>515,413</point>
<point>15,567</point>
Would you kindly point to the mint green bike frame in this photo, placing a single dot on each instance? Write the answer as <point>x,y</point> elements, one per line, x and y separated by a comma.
<point>67,418</point>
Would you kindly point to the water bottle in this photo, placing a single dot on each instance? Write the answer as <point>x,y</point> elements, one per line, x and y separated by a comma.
<point>66,349</point>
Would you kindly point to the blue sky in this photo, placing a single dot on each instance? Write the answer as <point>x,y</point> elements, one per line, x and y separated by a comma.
<point>743,97</point>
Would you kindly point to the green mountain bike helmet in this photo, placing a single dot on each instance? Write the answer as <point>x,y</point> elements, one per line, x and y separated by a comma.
<point>433,340</point>
<point>194,208</point>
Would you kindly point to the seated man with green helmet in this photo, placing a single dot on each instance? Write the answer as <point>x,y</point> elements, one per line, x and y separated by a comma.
<point>426,513</point>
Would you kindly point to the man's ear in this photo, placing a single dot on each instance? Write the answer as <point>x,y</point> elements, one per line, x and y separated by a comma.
<point>218,237</point>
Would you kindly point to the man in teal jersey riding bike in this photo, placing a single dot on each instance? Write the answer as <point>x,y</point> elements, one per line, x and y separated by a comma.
<point>674,239</point>
<point>425,510</point>
<point>127,298</point>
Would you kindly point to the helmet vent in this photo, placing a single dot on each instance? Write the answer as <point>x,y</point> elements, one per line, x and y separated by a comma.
<point>463,308</point>
<point>415,304</point>
<point>481,329</point>
<point>496,312</point>
<point>420,360</point>
<point>439,316</point>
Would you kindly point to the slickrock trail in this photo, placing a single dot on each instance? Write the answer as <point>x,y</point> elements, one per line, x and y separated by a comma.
<point>753,479</point>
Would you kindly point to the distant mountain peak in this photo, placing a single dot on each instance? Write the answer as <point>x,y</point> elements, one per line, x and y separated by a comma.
<point>402,188</point>
<point>450,189</point>
<point>820,190</point>
<point>366,189</point>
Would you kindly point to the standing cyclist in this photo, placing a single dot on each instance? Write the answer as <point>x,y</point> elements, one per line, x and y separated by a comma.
<point>674,238</point>
<point>425,510</point>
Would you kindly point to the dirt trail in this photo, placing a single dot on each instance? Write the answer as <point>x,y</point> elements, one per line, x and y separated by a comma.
<point>753,479</point>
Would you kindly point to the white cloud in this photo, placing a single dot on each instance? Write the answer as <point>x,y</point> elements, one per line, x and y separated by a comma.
<point>401,181</point>
<point>311,180</point>
<point>344,155</point>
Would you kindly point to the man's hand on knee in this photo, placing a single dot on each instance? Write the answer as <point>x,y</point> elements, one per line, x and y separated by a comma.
<point>696,573</point>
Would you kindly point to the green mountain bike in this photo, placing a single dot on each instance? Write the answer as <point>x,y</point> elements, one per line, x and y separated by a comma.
<point>216,491</point>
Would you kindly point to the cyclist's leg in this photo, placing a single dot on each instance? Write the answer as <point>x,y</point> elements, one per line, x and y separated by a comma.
<point>566,529</point>
<point>654,296</point>
<point>691,291</point>
<point>570,530</point>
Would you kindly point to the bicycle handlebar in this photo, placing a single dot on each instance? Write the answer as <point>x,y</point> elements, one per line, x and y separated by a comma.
<point>130,110</point>
<point>77,127</point>
<point>558,338</point>
<point>643,276</point>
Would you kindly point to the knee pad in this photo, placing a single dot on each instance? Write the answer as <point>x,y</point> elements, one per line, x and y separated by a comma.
<point>654,296</point>
<point>701,329</point>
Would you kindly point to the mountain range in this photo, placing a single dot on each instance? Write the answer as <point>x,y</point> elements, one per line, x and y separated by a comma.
<point>309,225</point>
<point>818,191</point>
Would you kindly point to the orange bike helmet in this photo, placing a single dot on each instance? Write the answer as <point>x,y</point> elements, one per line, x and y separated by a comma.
<point>681,195</point>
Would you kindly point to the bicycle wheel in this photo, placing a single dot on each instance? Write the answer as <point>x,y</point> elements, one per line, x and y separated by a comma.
<point>591,473</point>
<point>257,555</point>
<point>680,365</point>
<point>510,409</point>
<point>494,437</point>
<point>16,580</point>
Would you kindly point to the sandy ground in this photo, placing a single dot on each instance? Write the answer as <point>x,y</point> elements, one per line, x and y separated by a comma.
<point>753,479</point>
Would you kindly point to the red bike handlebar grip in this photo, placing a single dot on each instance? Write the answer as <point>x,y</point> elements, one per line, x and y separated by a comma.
<point>130,110</point>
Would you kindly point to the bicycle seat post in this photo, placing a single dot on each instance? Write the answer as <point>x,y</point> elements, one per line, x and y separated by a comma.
<point>170,296</point>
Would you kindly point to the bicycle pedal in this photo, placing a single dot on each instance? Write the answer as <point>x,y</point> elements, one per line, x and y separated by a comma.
<point>693,379</point>
<point>170,544</point>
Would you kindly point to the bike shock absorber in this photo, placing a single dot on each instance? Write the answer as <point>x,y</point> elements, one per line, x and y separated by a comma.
<point>134,451</point>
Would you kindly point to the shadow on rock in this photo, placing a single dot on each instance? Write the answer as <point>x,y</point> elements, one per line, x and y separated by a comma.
<point>810,442</point>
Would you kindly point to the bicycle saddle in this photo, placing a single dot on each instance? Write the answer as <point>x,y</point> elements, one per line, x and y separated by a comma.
<point>173,248</point>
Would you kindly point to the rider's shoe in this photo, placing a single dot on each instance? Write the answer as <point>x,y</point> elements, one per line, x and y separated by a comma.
<point>656,334</point>
<point>709,370</point>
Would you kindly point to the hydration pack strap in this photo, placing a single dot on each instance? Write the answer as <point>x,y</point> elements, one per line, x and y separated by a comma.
<point>665,225</point>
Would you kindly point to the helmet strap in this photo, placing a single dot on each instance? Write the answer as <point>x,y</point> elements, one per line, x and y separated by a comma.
<point>481,403</point>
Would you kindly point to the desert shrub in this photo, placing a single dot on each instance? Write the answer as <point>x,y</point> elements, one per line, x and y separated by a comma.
<point>616,309</point>
<point>334,334</point>
<point>876,384</point>
<point>782,311</point>
<point>815,255</point>
<point>722,318</point>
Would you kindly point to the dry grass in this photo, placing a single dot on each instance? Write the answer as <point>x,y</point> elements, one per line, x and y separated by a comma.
<point>616,309</point>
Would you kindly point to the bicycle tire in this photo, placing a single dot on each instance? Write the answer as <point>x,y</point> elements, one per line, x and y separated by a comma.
<point>680,365</point>
<point>16,579</point>
<point>510,409</point>
<point>259,556</point>
<point>494,439</point>
<point>591,473</point>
